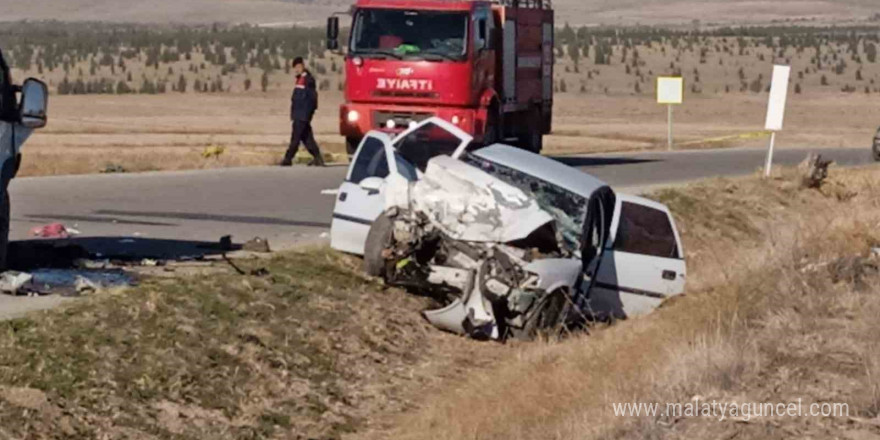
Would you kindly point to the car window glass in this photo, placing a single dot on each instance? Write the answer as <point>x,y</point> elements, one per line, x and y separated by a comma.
<point>370,162</point>
<point>405,168</point>
<point>425,143</point>
<point>645,231</point>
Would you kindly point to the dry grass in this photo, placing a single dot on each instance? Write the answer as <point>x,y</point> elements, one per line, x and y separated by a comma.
<point>310,349</point>
<point>782,305</point>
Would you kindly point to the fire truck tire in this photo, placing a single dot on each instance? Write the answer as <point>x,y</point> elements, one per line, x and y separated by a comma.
<point>493,127</point>
<point>876,148</point>
<point>351,145</point>
<point>533,139</point>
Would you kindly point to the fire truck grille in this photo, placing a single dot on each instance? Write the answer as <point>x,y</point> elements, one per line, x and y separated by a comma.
<point>401,119</point>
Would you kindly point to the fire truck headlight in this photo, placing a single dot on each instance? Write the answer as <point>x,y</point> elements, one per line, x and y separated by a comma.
<point>353,116</point>
<point>391,124</point>
<point>412,124</point>
<point>456,120</point>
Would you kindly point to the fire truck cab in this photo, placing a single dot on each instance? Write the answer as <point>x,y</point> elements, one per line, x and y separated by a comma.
<point>484,66</point>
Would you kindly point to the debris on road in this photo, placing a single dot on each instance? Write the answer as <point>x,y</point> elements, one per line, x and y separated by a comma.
<point>52,230</point>
<point>257,244</point>
<point>113,168</point>
<point>11,282</point>
<point>226,243</point>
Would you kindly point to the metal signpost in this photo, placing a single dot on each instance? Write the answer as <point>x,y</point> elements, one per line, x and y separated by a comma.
<point>776,109</point>
<point>670,91</point>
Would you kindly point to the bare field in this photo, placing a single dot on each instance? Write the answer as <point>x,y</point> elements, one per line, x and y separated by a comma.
<point>88,134</point>
<point>310,12</point>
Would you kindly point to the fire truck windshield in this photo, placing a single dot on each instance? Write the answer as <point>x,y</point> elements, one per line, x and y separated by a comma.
<point>409,34</point>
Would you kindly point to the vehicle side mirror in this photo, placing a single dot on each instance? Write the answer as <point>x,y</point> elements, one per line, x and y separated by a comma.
<point>372,184</point>
<point>34,103</point>
<point>333,33</point>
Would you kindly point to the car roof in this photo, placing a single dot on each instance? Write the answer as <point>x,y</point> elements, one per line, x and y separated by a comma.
<point>542,167</point>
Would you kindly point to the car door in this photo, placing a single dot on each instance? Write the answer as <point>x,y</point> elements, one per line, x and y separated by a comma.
<point>361,197</point>
<point>643,263</point>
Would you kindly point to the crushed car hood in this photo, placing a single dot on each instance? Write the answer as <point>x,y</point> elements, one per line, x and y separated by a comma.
<point>470,205</point>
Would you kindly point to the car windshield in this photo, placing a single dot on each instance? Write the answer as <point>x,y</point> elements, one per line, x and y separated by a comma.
<point>567,208</point>
<point>410,34</point>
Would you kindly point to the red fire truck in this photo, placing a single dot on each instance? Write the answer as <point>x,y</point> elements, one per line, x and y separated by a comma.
<point>485,66</point>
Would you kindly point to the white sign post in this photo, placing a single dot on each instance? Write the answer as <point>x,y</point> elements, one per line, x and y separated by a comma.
<point>776,108</point>
<point>670,91</point>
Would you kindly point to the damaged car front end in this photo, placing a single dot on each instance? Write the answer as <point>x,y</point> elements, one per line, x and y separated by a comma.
<point>485,246</point>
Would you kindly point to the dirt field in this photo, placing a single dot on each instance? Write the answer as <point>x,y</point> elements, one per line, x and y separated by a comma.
<point>313,12</point>
<point>89,134</point>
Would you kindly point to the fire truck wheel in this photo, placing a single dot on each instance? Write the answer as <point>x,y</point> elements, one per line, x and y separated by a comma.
<point>532,141</point>
<point>876,147</point>
<point>351,145</point>
<point>493,127</point>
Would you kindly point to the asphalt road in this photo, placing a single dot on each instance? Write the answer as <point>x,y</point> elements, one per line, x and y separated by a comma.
<point>175,215</point>
<point>182,213</point>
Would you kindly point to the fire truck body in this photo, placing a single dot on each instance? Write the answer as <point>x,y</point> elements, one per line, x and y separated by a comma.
<point>487,67</point>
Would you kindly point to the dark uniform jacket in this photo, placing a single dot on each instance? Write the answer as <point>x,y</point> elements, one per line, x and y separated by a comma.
<point>304,101</point>
<point>8,106</point>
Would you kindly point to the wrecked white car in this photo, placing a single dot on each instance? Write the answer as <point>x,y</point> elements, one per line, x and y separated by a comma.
<point>512,242</point>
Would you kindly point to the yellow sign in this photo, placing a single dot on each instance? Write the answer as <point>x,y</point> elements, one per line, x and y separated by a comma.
<point>670,90</point>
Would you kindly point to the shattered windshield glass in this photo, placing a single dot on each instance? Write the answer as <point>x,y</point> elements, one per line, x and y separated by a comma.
<point>567,208</point>
<point>430,35</point>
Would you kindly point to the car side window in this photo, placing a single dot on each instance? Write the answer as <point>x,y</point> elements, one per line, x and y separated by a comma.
<point>645,231</point>
<point>371,161</point>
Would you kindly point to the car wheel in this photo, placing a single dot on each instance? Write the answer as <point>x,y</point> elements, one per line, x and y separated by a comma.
<point>378,239</point>
<point>876,147</point>
<point>548,317</point>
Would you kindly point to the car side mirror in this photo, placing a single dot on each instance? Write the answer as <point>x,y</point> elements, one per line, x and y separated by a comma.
<point>372,185</point>
<point>34,103</point>
<point>333,33</point>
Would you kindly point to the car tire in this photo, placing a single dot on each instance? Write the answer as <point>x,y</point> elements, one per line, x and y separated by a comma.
<point>378,239</point>
<point>548,318</point>
<point>875,149</point>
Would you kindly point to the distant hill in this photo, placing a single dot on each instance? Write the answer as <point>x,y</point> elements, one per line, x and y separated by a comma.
<point>314,12</point>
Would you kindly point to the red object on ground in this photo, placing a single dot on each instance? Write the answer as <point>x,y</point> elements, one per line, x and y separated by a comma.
<point>54,230</point>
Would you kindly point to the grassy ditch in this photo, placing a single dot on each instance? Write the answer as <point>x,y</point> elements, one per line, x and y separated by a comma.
<point>308,348</point>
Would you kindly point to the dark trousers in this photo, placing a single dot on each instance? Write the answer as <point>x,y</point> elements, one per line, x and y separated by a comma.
<point>302,134</point>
